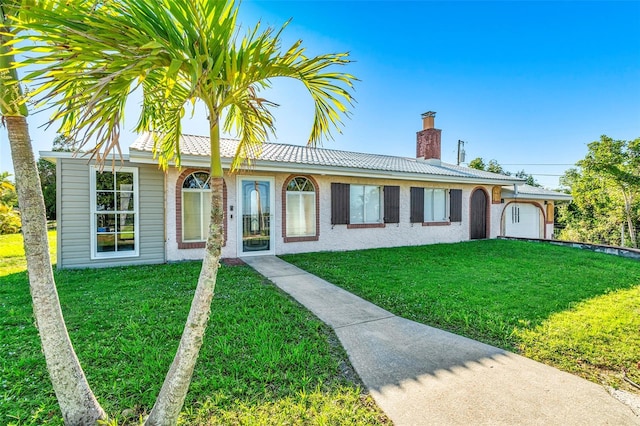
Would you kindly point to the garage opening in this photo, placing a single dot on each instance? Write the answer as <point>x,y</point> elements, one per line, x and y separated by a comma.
<point>523,220</point>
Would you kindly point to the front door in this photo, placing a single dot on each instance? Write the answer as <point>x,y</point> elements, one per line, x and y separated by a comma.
<point>478,215</point>
<point>255,231</point>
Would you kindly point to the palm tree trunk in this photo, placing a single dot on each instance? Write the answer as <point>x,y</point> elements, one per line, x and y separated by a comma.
<point>176,384</point>
<point>77,403</point>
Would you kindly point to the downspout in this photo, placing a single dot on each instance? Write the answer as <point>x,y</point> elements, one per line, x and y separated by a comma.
<point>59,232</point>
<point>165,177</point>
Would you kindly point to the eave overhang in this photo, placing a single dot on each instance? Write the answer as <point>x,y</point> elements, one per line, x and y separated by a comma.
<point>510,195</point>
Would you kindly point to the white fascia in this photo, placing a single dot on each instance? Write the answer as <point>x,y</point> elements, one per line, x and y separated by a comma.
<point>53,155</point>
<point>525,196</point>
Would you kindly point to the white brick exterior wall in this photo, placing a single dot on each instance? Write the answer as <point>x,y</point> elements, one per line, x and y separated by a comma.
<point>335,237</point>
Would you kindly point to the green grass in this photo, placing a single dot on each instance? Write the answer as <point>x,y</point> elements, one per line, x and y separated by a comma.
<point>577,310</point>
<point>12,252</point>
<point>595,339</point>
<point>265,360</point>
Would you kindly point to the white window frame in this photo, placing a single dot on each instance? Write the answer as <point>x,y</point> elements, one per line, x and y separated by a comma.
<point>429,217</point>
<point>300,195</point>
<point>365,219</point>
<point>204,213</point>
<point>515,213</point>
<point>95,254</point>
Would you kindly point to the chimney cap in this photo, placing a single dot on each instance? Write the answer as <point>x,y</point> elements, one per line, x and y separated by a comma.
<point>428,114</point>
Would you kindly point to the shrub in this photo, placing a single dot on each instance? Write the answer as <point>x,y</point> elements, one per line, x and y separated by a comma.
<point>9,220</point>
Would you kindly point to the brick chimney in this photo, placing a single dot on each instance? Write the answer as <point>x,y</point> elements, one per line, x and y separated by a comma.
<point>428,139</point>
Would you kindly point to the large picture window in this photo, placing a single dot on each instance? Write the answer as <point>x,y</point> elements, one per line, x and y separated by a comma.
<point>301,208</point>
<point>114,212</point>
<point>364,204</point>
<point>196,207</point>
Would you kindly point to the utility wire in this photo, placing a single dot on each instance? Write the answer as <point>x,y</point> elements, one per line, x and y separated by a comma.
<point>536,164</point>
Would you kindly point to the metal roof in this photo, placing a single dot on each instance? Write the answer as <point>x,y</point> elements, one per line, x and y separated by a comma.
<point>196,149</point>
<point>534,192</point>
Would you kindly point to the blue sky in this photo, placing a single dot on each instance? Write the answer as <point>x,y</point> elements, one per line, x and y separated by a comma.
<point>525,83</point>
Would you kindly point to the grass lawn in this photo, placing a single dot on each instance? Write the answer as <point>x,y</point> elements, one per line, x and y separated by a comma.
<point>574,309</point>
<point>265,360</point>
<point>12,253</point>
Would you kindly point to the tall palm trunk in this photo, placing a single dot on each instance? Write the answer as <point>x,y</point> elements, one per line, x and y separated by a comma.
<point>176,383</point>
<point>77,403</point>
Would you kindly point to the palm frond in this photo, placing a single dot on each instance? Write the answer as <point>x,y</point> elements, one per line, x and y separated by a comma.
<point>252,118</point>
<point>91,55</point>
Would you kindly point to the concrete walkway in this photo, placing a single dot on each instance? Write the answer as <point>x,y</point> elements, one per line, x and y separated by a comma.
<point>420,375</point>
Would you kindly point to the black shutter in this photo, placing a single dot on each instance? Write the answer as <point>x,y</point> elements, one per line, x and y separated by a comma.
<point>391,204</point>
<point>455,205</point>
<point>417,205</point>
<point>339,203</point>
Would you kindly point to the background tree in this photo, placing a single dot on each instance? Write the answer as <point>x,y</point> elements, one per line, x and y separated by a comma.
<point>8,195</point>
<point>77,402</point>
<point>9,217</point>
<point>47,173</point>
<point>529,179</point>
<point>178,52</point>
<point>495,167</point>
<point>606,194</point>
<point>618,162</point>
<point>478,164</point>
<point>10,222</point>
<point>62,143</point>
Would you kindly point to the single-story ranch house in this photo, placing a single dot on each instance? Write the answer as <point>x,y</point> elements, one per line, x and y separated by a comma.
<point>293,199</point>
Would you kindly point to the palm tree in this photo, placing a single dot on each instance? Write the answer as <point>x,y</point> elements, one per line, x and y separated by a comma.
<point>178,52</point>
<point>77,402</point>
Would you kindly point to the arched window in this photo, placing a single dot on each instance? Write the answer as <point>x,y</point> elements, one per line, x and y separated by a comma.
<point>301,211</point>
<point>196,207</point>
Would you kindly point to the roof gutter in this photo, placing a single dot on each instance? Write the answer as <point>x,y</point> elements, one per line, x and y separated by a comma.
<point>52,156</point>
<point>525,196</point>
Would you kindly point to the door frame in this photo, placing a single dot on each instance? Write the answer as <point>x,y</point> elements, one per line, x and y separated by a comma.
<point>542,219</point>
<point>487,217</point>
<point>272,219</point>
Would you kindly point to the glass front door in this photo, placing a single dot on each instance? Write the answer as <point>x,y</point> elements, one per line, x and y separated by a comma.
<point>256,215</point>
